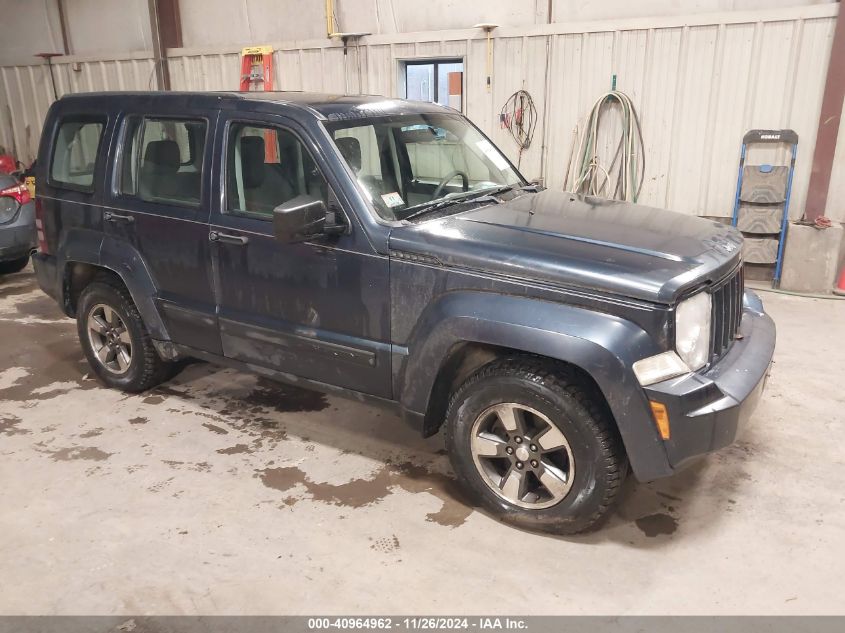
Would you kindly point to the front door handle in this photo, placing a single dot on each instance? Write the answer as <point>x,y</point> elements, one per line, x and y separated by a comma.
<point>109,216</point>
<point>216,236</point>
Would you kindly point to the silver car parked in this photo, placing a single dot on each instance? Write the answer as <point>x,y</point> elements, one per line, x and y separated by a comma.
<point>17,225</point>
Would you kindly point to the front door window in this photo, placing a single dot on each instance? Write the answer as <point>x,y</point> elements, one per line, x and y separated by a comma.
<point>267,167</point>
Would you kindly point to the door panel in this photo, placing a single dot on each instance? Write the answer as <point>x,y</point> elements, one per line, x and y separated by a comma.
<point>314,309</point>
<point>160,207</point>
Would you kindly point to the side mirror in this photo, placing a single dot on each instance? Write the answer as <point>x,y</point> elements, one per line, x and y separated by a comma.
<point>299,219</point>
<point>304,217</point>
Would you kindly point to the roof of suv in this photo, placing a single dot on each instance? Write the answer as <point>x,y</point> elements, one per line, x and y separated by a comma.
<point>323,105</point>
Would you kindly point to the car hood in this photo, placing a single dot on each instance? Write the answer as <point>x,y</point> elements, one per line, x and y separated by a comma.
<point>564,239</point>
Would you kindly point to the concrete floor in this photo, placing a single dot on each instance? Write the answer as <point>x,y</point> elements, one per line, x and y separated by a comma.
<point>224,493</point>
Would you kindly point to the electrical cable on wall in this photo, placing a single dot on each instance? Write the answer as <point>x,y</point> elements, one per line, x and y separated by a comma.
<point>519,117</point>
<point>622,177</point>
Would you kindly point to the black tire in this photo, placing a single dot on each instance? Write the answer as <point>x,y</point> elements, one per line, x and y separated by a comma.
<point>146,369</point>
<point>12,266</point>
<point>580,414</point>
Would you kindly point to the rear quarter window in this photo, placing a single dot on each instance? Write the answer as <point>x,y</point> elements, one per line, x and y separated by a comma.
<point>75,153</point>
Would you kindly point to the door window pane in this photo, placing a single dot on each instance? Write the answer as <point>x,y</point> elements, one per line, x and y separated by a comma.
<point>266,167</point>
<point>75,153</point>
<point>162,160</point>
<point>443,71</point>
<point>420,82</point>
<point>429,81</point>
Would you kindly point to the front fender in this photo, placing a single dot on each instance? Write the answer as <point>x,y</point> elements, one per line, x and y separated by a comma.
<point>120,257</point>
<point>603,345</point>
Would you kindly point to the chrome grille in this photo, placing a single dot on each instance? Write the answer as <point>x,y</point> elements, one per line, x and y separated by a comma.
<point>727,313</point>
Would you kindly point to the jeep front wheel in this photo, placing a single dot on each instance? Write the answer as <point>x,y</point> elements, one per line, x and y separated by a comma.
<point>534,444</point>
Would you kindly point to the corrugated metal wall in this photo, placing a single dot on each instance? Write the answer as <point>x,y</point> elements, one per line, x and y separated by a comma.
<point>27,93</point>
<point>698,83</point>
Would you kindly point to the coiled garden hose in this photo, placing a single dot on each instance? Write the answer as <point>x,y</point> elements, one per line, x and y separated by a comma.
<point>622,177</point>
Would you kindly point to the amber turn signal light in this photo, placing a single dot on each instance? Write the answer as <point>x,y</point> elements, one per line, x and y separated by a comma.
<point>661,418</point>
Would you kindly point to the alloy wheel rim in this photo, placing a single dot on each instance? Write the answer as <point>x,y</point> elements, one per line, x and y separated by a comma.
<point>522,456</point>
<point>109,338</point>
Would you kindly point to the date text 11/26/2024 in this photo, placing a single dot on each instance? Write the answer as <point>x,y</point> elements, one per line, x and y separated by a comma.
<point>418,623</point>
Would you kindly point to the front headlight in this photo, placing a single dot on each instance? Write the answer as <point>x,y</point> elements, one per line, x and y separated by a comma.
<point>692,330</point>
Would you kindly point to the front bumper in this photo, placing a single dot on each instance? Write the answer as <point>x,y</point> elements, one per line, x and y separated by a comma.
<point>706,410</point>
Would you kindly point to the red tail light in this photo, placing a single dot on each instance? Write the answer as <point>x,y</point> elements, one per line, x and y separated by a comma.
<point>18,192</point>
<point>39,228</point>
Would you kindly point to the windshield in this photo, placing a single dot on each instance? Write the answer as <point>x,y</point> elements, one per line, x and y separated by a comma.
<point>408,162</point>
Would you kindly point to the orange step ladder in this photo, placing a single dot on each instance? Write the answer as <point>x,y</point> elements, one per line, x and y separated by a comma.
<point>257,68</point>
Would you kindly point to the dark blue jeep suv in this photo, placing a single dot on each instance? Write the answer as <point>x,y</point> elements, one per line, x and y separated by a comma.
<point>388,250</point>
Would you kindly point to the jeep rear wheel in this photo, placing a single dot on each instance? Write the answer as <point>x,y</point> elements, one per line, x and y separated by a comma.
<point>115,340</point>
<point>534,444</point>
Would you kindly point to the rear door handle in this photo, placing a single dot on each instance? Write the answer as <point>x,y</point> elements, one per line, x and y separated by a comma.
<point>109,216</point>
<point>216,236</point>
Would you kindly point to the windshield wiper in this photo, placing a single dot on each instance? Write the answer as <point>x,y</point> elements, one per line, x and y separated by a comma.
<point>492,191</point>
<point>532,187</point>
<point>429,207</point>
<point>484,195</point>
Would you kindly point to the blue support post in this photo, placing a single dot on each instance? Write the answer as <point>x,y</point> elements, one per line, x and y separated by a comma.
<point>784,223</point>
<point>738,185</point>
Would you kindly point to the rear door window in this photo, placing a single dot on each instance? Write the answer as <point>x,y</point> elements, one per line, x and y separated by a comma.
<point>162,160</point>
<point>75,153</point>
